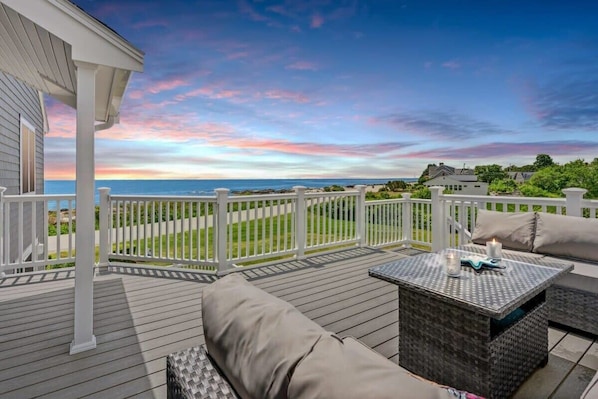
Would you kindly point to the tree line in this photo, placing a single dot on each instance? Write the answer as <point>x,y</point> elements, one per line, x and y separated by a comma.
<point>548,180</point>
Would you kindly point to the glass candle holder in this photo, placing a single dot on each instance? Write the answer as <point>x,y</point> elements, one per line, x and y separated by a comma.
<point>453,265</point>
<point>494,249</point>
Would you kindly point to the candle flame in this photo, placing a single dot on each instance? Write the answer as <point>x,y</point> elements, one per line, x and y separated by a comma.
<point>494,241</point>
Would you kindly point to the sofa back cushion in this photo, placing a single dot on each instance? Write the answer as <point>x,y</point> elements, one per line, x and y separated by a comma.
<point>255,338</point>
<point>569,236</point>
<point>338,369</point>
<point>514,230</point>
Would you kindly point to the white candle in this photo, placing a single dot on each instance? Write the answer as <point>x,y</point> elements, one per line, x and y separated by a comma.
<point>494,249</point>
<point>453,265</point>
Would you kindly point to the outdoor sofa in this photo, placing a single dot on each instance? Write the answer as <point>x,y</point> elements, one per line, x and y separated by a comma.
<point>259,346</point>
<point>573,299</point>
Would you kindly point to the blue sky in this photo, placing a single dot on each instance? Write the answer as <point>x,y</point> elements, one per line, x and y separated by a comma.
<point>322,88</point>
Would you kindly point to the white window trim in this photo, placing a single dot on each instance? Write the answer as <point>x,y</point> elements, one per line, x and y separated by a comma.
<point>27,124</point>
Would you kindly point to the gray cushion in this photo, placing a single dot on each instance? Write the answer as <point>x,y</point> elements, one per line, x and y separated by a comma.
<point>572,236</point>
<point>255,338</point>
<point>344,369</point>
<point>513,230</point>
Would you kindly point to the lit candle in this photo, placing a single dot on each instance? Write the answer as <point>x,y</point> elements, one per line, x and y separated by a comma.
<point>453,265</point>
<point>494,249</point>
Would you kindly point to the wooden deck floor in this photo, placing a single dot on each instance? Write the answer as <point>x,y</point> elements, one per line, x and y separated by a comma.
<point>141,316</point>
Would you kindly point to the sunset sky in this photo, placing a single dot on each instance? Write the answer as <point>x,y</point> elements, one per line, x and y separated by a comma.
<point>349,88</point>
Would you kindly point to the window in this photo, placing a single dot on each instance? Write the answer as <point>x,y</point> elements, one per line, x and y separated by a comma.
<point>27,157</point>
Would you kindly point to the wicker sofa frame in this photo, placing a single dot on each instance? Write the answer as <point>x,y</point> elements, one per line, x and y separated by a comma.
<point>574,308</point>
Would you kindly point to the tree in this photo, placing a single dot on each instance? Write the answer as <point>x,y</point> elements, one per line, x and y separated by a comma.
<point>506,186</point>
<point>424,176</point>
<point>543,161</point>
<point>396,185</point>
<point>489,173</point>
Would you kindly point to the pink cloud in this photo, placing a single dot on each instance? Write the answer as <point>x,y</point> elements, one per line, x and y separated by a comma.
<point>317,20</point>
<point>452,64</point>
<point>315,149</point>
<point>209,92</point>
<point>136,94</point>
<point>302,66</point>
<point>167,85</point>
<point>286,95</point>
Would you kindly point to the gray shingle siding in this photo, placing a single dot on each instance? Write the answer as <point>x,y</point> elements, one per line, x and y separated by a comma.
<point>16,99</point>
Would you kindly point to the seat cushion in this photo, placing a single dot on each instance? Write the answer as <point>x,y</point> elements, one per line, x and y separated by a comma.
<point>571,236</point>
<point>515,230</point>
<point>585,269</point>
<point>255,338</point>
<point>341,369</point>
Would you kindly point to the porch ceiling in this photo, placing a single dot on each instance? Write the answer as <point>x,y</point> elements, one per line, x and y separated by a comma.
<point>41,40</point>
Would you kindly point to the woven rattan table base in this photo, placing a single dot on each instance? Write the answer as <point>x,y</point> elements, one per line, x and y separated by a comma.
<point>190,374</point>
<point>459,347</point>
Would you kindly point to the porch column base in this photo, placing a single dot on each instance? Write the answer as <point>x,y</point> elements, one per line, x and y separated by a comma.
<point>84,346</point>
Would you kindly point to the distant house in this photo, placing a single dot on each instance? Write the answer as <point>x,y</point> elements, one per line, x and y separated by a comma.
<point>23,124</point>
<point>445,170</point>
<point>520,177</point>
<point>460,184</point>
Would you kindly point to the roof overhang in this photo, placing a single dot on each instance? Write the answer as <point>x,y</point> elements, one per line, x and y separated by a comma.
<point>42,40</point>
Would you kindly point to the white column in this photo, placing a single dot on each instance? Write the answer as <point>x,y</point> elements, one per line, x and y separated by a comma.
<point>360,216</point>
<point>573,200</point>
<point>85,257</point>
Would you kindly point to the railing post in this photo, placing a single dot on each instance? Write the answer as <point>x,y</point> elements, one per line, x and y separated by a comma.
<point>220,229</point>
<point>104,229</point>
<point>438,221</point>
<point>573,200</point>
<point>300,228</point>
<point>407,219</point>
<point>2,228</point>
<point>360,225</point>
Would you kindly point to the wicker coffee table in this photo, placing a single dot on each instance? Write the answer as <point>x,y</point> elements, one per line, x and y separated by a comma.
<point>481,332</point>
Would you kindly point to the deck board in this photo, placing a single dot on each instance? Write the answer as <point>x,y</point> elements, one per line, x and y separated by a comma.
<point>141,315</point>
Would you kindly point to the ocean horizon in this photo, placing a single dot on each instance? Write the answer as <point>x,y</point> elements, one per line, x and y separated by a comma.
<point>197,187</point>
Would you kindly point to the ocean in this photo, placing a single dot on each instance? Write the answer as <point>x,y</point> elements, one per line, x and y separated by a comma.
<point>205,187</point>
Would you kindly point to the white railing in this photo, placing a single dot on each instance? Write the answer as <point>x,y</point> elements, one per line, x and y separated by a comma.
<point>215,233</point>
<point>218,232</point>
<point>158,229</point>
<point>36,231</point>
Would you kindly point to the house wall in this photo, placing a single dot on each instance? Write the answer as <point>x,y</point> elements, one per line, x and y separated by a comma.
<point>16,99</point>
<point>459,187</point>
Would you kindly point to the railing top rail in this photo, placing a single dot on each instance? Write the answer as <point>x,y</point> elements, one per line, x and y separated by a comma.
<point>260,197</point>
<point>385,201</point>
<point>177,198</point>
<point>503,198</point>
<point>589,203</point>
<point>420,200</point>
<point>347,193</point>
<point>38,197</point>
